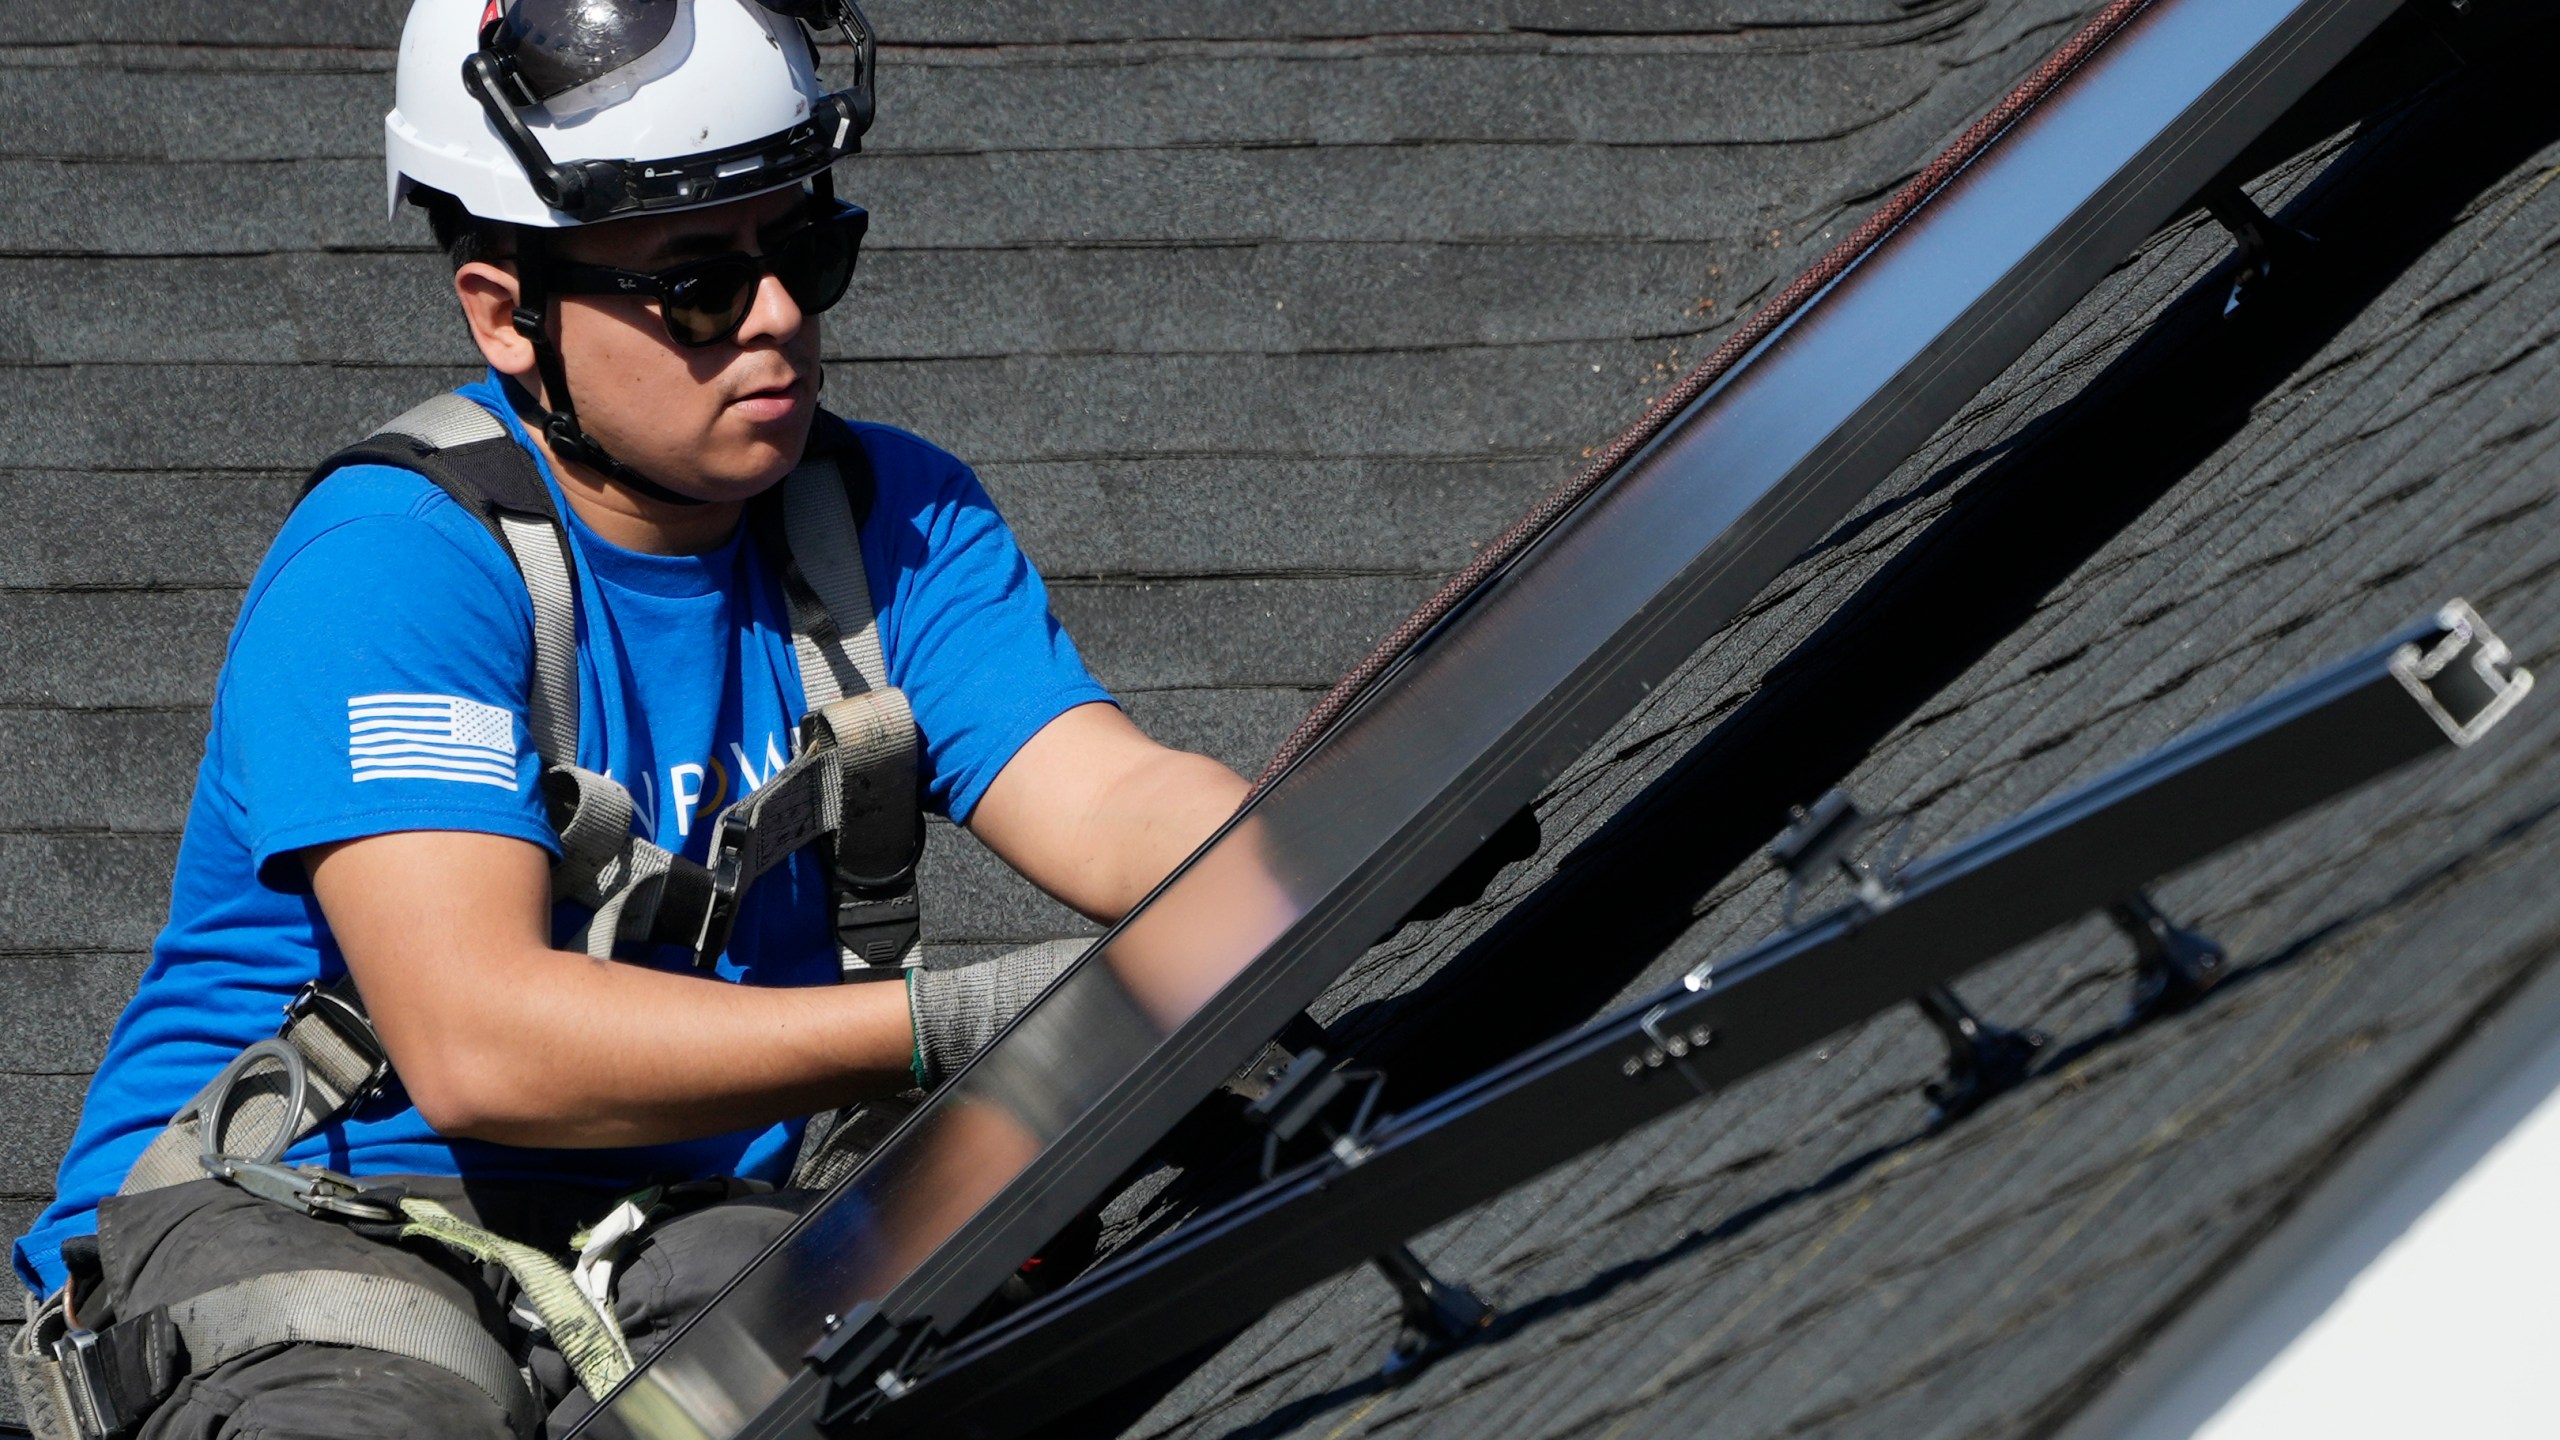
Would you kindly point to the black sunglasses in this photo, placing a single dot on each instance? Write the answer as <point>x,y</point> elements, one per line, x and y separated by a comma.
<point>704,302</point>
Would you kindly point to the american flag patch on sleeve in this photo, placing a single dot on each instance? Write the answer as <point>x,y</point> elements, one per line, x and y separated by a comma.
<point>431,737</point>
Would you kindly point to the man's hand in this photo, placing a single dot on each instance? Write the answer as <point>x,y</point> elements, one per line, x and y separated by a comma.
<point>497,1036</point>
<point>1097,814</point>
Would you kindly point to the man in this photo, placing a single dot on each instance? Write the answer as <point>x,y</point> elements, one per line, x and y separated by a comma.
<point>635,197</point>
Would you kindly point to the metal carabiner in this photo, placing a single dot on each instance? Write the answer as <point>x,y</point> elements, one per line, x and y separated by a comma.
<point>312,1189</point>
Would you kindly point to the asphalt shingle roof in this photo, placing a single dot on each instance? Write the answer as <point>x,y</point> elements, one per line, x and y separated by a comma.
<point>1255,320</point>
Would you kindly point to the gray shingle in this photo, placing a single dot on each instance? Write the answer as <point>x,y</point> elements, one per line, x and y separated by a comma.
<point>122,770</point>
<point>205,22</point>
<point>210,22</point>
<point>83,894</point>
<point>1154,634</point>
<point>111,111</point>
<point>1504,402</point>
<point>1385,193</point>
<point>36,1116</point>
<point>199,417</point>
<point>971,899</point>
<point>1210,514</point>
<point>1450,404</point>
<point>363,309</point>
<point>1018,23</point>
<point>1240,728</point>
<point>1759,88</point>
<point>55,1011</point>
<point>143,529</point>
<point>96,649</point>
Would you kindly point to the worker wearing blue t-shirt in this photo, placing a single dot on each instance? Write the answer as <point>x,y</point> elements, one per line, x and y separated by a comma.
<point>647,209</point>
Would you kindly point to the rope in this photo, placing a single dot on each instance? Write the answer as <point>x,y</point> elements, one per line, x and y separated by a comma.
<point>1782,307</point>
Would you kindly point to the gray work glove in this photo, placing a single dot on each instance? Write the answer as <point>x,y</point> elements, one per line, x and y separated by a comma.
<point>958,1010</point>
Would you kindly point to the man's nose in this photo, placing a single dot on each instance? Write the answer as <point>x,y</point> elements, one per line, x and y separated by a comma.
<point>773,315</point>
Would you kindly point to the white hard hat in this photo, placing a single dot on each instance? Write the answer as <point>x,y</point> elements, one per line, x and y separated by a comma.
<point>564,112</point>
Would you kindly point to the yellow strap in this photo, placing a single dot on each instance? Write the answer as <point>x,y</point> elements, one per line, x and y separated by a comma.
<point>587,1335</point>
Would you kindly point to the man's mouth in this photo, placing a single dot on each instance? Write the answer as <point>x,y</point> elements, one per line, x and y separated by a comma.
<point>773,402</point>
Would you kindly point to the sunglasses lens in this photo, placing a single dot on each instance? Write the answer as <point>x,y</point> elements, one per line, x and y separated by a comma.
<point>816,265</point>
<point>709,303</point>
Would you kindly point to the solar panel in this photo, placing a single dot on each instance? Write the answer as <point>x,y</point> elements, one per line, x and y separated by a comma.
<point>1474,721</point>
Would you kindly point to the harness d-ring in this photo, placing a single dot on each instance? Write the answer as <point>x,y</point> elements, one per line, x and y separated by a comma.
<point>217,1101</point>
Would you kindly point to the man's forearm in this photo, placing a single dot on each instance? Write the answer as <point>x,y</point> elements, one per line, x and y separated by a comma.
<point>499,1037</point>
<point>579,1053</point>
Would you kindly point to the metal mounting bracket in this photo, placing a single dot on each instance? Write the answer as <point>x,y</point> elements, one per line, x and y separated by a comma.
<point>1303,1096</point>
<point>1439,1315</point>
<point>2466,679</point>
<point>2266,244</point>
<point>1983,1060</point>
<point>2177,965</point>
<point>867,1362</point>
<point>1822,835</point>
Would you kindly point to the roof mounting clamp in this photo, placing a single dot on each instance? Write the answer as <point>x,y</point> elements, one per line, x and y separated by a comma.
<point>2177,965</point>
<point>1303,1097</point>
<point>2464,677</point>
<point>2265,242</point>
<point>1984,1060</point>
<point>866,1359</point>
<point>1439,1315</point>
<point>1820,836</point>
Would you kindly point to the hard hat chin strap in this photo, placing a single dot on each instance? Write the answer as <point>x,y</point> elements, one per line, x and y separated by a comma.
<point>559,423</point>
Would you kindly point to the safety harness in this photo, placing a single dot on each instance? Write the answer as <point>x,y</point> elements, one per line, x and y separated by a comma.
<point>850,789</point>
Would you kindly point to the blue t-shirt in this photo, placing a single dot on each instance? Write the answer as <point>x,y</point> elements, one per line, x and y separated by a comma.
<point>376,681</point>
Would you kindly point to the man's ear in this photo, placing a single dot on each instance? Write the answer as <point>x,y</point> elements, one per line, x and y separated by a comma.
<point>488,293</point>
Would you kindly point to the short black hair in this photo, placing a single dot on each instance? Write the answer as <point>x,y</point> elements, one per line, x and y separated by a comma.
<point>464,238</point>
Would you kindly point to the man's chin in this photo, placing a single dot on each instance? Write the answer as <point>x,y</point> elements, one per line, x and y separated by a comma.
<point>747,474</point>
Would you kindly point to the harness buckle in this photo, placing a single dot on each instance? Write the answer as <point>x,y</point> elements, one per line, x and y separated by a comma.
<point>346,1020</point>
<point>877,931</point>
<point>727,863</point>
<point>312,1189</point>
<point>85,1376</point>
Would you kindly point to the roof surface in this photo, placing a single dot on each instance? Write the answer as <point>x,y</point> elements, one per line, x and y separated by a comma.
<point>1254,323</point>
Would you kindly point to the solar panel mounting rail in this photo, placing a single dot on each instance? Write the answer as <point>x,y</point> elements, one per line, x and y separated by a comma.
<point>2440,682</point>
<point>1489,708</point>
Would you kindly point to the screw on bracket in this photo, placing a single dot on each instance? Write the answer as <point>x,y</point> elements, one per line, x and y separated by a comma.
<point>1983,1059</point>
<point>1439,1315</point>
<point>2177,965</point>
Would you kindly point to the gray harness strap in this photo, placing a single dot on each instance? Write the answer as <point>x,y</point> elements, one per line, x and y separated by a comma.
<point>838,638</point>
<point>79,1385</point>
<point>541,552</point>
<point>371,1312</point>
<point>542,556</point>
